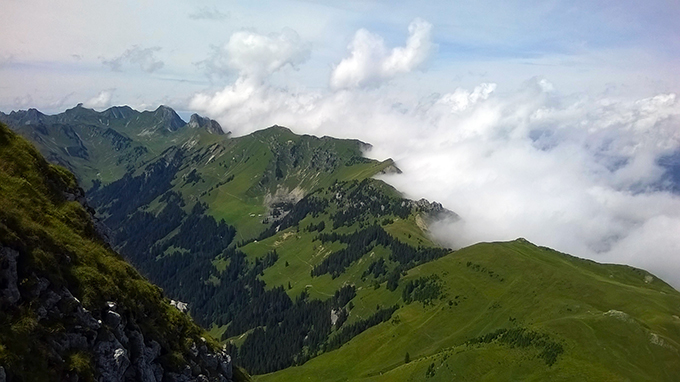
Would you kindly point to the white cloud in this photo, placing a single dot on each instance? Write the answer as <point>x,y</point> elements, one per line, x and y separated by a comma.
<point>370,63</point>
<point>571,172</point>
<point>461,99</point>
<point>206,13</point>
<point>256,56</point>
<point>144,57</point>
<point>101,100</point>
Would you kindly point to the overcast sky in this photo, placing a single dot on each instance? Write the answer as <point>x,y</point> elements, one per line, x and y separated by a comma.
<point>536,119</point>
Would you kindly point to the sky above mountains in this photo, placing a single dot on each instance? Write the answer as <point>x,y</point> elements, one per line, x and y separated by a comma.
<point>55,55</point>
<point>540,119</point>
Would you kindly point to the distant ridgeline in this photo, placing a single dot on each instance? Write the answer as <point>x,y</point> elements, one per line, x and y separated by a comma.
<point>290,251</point>
<point>255,233</point>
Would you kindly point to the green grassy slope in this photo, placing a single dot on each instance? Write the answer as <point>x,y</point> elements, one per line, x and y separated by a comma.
<point>56,241</point>
<point>612,323</point>
<point>241,177</point>
<point>187,211</point>
<point>300,250</point>
<point>238,179</point>
<point>497,311</point>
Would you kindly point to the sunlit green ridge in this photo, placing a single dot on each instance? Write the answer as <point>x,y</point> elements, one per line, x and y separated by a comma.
<point>304,265</point>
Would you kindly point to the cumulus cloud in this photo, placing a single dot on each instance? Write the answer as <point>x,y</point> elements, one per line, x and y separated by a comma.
<point>206,13</point>
<point>370,62</point>
<point>574,172</point>
<point>256,56</point>
<point>145,58</point>
<point>101,100</point>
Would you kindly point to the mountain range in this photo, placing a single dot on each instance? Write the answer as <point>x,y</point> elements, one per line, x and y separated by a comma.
<point>306,267</point>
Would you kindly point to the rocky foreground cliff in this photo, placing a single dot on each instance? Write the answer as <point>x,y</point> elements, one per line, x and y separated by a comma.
<point>71,309</point>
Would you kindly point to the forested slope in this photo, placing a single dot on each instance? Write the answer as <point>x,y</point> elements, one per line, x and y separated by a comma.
<point>70,306</point>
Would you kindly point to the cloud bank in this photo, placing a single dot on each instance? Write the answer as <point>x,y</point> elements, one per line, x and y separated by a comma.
<point>573,172</point>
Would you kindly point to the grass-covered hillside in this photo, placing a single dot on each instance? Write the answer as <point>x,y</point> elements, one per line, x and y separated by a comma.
<point>272,228</point>
<point>507,312</point>
<point>288,250</point>
<point>69,305</point>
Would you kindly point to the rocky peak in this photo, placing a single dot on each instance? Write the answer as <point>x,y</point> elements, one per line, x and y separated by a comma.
<point>198,122</point>
<point>433,210</point>
<point>168,118</point>
<point>79,112</point>
<point>24,117</point>
<point>119,112</point>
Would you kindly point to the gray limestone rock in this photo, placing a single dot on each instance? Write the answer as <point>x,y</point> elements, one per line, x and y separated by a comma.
<point>434,210</point>
<point>212,126</point>
<point>8,276</point>
<point>119,350</point>
<point>86,319</point>
<point>112,319</point>
<point>193,350</point>
<point>158,372</point>
<point>39,286</point>
<point>74,341</point>
<point>111,360</point>
<point>225,366</point>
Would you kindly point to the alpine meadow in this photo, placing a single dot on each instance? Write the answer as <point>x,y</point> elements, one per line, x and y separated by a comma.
<point>309,191</point>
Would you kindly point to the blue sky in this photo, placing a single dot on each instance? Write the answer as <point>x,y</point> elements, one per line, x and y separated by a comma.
<point>536,119</point>
<point>54,54</point>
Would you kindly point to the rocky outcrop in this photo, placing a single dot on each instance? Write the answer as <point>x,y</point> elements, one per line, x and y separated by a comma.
<point>8,277</point>
<point>391,168</point>
<point>78,195</point>
<point>433,211</point>
<point>181,306</point>
<point>212,126</point>
<point>51,257</point>
<point>119,349</point>
<point>167,118</point>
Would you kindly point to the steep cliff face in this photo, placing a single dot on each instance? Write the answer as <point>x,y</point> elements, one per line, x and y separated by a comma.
<point>72,309</point>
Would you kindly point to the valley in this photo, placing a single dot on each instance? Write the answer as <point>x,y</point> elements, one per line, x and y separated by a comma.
<point>289,251</point>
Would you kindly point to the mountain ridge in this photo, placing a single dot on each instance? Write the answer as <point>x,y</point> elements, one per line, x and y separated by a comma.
<point>71,308</point>
<point>288,249</point>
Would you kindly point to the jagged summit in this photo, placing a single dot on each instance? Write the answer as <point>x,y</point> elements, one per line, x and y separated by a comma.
<point>119,112</point>
<point>78,113</point>
<point>198,122</point>
<point>163,119</point>
<point>25,117</point>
